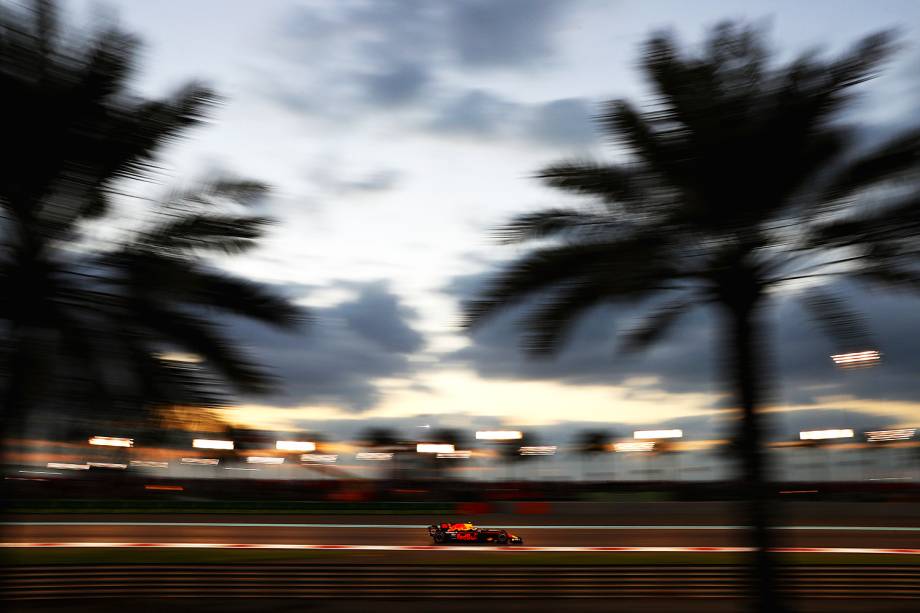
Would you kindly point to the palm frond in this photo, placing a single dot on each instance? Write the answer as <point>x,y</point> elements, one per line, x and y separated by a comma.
<point>655,326</point>
<point>154,275</point>
<point>612,184</point>
<point>243,191</point>
<point>244,298</point>
<point>210,192</point>
<point>890,224</point>
<point>205,233</point>
<point>891,275</point>
<point>864,60</point>
<point>627,124</point>
<point>545,224</point>
<point>624,265</point>
<point>843,325</point>
<point>203,338</point>
<point>141,132</point>
<point>547,327</point>
<point>896,158</point>
<point>109,63</point>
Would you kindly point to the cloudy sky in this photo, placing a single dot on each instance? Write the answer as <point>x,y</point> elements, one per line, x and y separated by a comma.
<point>396,134</point>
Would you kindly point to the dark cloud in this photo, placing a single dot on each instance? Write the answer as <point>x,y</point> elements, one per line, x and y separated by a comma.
<point>481,114</point>
<point>563,122</point>
<point>326,178</point>
<point>485,33</point>
<point>468,33</point>
<point>377,182</point>
<point>397,85</point>
<point>352,57</point>
<point>688,360</point>
<point>378,317</point>
<point>476,113</point>
<point>338,357</point>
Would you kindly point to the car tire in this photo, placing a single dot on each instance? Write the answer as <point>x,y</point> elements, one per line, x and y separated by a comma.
<point>502,539</point>
<point>440,538</point>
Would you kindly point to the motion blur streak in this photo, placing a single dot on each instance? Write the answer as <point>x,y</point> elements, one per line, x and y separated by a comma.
<point>295,446</point>
<point>901,434</point>
<point>434,448</point>
<point>374,456</point>
<point>817,435</point>
<point>633,446</point>
<point>67,466</point>
<point>497,549</point>
<point>201,443</point>
<point>859,358</point>
<point>111,441</point>
<point>149,464</point>
<point>658,434</point>
<point>263,460</point>
<point>202,461</point>
<point>319,458</point>
<point>440,582</point>
<point>499,435</point>
<point>421,526</point>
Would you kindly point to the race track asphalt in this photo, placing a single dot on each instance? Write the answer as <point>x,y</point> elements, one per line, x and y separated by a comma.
<point>682,526</point>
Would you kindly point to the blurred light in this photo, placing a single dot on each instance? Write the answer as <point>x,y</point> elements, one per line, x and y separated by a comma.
<point>149,464</point>
<point>658,434</point>
<point>239,468</point>
<point>108,465</point>
<point>40,472</point>
<point>165,488</point>
<point>111,441</point>
<point>900,434</point>
<point>857,358</point>
<point>201,461</point>
<point>499,435</point>
<point>815,435</point>
<point>434,448</point>
<point>66,466</point>
<point>255,459</point>
<point>455,455</point>
<point>634,446</point>
<point>206,443</point>
<point>374,456</point>
<point>295,446</point>
<point>319,458</point>
<point>187,358</point>
<point>538,450</point>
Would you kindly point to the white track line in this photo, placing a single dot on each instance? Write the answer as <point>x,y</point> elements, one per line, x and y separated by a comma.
<point>423,526</point>
<point>92,545</point>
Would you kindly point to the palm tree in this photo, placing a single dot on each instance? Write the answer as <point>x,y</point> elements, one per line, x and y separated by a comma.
<point>509,452</point>
<point>387,440</point>
<point>730,187</point>
<point>95,322</point>
<point>381,438</point>
<point>590,444</point>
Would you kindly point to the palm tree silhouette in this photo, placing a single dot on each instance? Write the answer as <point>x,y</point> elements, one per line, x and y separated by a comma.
<point>91,320</point>
<point>737,181</point>
<point>589,444</point>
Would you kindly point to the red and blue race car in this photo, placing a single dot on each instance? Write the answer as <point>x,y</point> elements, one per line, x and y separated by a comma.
<point>468,533</point>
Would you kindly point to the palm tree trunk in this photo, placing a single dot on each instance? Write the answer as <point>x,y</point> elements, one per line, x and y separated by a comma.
<point>746,372</point>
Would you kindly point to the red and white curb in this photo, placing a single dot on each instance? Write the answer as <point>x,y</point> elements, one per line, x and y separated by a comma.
<point>298,546</point>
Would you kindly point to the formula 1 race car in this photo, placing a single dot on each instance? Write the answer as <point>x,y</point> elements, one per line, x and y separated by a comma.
<point>468,533</point>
